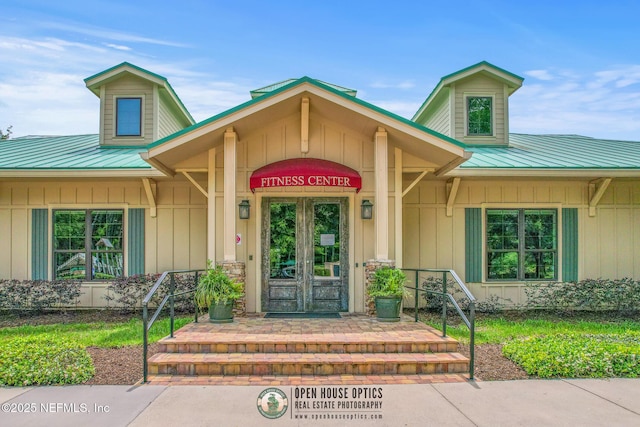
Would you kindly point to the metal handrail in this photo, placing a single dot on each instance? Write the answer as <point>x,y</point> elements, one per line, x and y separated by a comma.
<point>468,321</point>
<point>170,297</point>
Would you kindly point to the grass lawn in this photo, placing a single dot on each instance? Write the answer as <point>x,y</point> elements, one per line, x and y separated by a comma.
<point>589,345</point>
<point>57,353</point>
<point>498,329</point>
<point>99,334</point>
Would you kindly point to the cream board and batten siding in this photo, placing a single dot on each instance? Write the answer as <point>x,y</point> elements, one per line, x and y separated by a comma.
<point>433,240</point>
<point>175,239</point>
<point>128,87</point>
<point>480,86</point>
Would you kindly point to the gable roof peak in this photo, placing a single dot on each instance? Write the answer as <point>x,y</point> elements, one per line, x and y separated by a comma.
<point>98,80</point>
<point>513,81</point>
<point>294,82</point>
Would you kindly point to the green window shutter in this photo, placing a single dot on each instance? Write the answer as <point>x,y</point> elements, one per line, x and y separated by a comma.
<point>569,244</point>
<point>473,244</point>
<point>135,241</point>
<point>39,244</point>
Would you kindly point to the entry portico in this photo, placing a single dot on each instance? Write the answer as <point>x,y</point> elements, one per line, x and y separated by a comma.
<point>305,143</point>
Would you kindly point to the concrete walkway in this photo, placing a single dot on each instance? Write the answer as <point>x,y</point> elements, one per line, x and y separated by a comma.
<point>613,402</point>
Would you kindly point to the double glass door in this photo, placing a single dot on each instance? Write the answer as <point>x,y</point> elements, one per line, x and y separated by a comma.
<point>305,259</point>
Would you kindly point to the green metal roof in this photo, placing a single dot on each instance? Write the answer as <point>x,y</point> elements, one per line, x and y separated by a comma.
<point>267,89</point>
<point>320,84</point>
<point>81,152</point>
<point>555,152</point>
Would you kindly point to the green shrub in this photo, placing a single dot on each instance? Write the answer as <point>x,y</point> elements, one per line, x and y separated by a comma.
<point>38,295</point>
<point>492,304</point>
<point>215,287</point>
<point>127,293</point>
<point>574,356</point>
<point>388,282</point>
<point>43,360</point>
<point>621,295</point>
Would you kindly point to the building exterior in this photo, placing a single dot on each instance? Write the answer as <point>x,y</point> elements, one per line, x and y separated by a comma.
<point>451,188</point>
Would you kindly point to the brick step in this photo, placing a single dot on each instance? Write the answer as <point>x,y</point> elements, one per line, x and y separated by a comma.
<point>392,342</point>
<point>305,380</point>
<point>261,364</point>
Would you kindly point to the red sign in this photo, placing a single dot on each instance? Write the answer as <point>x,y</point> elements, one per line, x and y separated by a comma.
<point>305,172</point>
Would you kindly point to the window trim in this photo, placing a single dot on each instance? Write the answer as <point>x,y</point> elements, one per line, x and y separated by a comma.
<point>115,116</point>
<point>528,206</point>
<point>68,207</point>
<point>466,97</point>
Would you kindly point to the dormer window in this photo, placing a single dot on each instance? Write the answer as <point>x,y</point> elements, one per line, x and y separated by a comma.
<point>128,116</point>
<point>479,116</point>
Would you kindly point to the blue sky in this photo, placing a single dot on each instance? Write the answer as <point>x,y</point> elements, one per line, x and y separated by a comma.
<point>580,60</point>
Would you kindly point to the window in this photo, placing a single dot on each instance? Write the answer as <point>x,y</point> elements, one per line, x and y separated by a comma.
<point>128,116</point>
<point>521,244</point>
<point>87,244</point>
<point>479,116</point>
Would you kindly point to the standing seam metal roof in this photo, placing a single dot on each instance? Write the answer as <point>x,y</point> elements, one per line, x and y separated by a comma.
<point>556,152</point>
<point>67,152</point>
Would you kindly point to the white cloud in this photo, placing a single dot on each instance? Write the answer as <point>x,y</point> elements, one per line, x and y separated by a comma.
<point>117,46</point>
<point>603,104</point>
<point>402,108</point>
<point>404,85</point>
<point>539,74</point>
<point>108,34</point>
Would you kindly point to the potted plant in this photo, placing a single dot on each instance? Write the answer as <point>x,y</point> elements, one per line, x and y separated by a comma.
<point>218,292</point>
<point>387,288</point>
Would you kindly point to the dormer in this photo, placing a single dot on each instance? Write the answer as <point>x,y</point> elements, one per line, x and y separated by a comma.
<point>471,105</point>
<point>137,106</point>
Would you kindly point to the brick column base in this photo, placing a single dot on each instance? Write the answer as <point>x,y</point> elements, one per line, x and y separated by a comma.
<point>236,271</point>
<point>369,271</point>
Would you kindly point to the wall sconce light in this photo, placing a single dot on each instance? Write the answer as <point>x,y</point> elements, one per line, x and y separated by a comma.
<point>243,209</point>
<point>367,209</point>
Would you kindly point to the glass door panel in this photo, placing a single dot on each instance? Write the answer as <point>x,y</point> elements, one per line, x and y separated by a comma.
<point>328,280</point>
<point>283,291</point>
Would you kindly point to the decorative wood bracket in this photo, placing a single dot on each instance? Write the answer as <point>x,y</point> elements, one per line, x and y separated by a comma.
<point>304,125</point>
<point>186,173</point>
<point>150,189</point>
<point>597,189</point>
<point>414,183</point>
<point>452,191</point>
